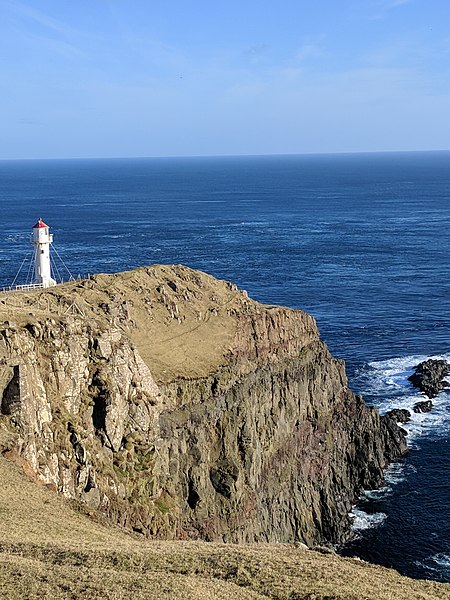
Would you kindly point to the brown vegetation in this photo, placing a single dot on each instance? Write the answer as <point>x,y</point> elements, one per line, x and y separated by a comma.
<point>51,548</point>
<point>180,345</point>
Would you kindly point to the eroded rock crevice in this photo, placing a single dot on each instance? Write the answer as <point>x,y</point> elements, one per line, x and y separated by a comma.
<point>10,404</point>
<point>100,399</point>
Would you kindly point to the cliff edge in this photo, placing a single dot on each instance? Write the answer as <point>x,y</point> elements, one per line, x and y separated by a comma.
<point>182,409</point>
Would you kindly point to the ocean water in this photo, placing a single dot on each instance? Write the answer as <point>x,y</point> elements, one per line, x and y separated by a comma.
<point>361,242</point>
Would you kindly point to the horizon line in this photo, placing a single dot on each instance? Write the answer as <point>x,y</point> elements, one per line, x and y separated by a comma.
<point>243,155</point>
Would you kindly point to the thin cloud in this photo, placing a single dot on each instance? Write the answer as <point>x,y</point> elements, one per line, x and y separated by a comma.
<point>36,25</point>
<point>39,17</point>
<point>394,3</point>
<point>292,73</point>
<point>385,6</point>
<point>28,122</point>
<point>390,4</point>
<point>308,51</point>
<point>257,49</point>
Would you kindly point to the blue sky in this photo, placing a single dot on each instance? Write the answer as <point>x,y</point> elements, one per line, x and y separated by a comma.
<point>103,78</point>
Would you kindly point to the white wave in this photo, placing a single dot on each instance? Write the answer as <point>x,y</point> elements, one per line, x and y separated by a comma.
<point>398,472</point>
<point>251,224</point>
<point>393,475</point>
<point>443,560</point>
<point>363,520</point>
<point>79,204</point>
<point>379,493</point>
<point>400,366</point>
<point>386,384</point>
<point>438,563</point>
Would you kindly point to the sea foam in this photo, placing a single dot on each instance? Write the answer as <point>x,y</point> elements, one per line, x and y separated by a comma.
<point>362,520</point>
<point>437,563</point>
<point>385,384</point>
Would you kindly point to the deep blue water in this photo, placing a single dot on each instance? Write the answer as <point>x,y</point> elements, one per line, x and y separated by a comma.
<point>360,241</point>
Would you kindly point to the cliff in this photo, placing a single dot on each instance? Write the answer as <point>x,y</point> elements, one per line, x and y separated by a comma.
<point>181,408</point>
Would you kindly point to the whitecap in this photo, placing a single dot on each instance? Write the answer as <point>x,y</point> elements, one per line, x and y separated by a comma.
<point>438,563</point>
<point>398,472</point>
<point>362,520</point>
<point>385,384</point>
<point>441,559</point>
<point>378,494</point>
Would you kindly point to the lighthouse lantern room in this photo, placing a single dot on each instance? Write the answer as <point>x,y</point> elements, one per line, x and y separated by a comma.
<point>41,239</point>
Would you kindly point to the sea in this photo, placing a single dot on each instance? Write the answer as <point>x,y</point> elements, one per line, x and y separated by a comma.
<point>360,241</point>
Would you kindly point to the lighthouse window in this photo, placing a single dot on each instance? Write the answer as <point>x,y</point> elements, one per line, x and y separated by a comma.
<point>42,252</point>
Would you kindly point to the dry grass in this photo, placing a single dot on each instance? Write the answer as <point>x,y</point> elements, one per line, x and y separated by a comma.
<point>183,322</point>
<point>50,549</point>
<point>185,331</point>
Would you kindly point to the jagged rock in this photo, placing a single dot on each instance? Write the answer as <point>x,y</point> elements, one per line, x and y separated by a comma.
<point>400,415</point>
<point>394,438</point>
<point>423,407</point>
<point>230,422</point>
<point>429,377</point>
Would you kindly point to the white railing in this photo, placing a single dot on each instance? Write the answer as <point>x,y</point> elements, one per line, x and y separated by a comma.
<point>21,288</point>
<point>29,286</point>
<point>35,286</point>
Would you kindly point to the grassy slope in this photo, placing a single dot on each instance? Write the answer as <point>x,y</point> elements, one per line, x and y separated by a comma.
<point>185,333</point>
<point>189,344</point>
<point>49,549</point>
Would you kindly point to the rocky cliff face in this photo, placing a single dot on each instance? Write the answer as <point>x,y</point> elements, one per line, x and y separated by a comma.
<point>183,409</point>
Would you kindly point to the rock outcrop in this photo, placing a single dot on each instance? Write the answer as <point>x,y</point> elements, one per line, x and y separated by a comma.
<point>181,408</point>
<point>423,407</point>
<point>429,377</point>
<point>400,415</point>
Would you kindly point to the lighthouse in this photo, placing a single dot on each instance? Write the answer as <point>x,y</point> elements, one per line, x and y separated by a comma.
<point>41,239</point>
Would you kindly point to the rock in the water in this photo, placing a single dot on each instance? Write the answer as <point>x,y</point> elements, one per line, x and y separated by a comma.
<point>400,415</point>
<point>429,376</point>
<point>423,407</point>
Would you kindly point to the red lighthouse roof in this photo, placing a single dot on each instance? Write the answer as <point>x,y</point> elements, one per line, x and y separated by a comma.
<point>39,224</point>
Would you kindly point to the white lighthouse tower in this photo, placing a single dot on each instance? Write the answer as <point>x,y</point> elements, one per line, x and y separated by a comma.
<point>41,239</point>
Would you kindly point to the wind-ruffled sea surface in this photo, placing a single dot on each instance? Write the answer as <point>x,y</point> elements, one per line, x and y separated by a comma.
<point>362,242</point>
